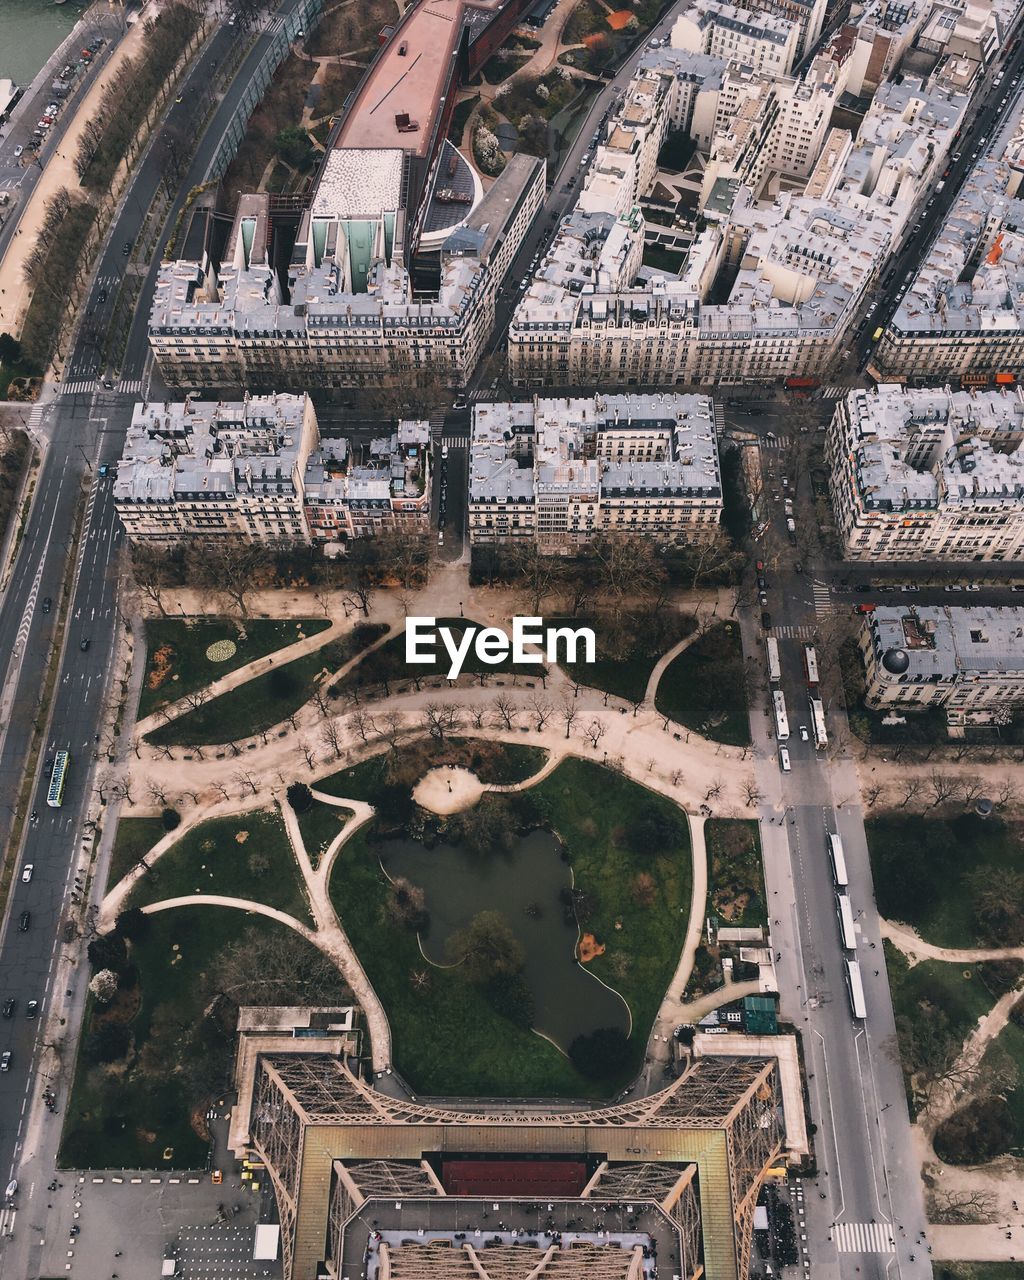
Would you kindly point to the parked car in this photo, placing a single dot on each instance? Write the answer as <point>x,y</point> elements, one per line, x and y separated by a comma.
<point>784,761</point>
<point>10,1004</point>
<point>24,921</point>
<point>47,604</point>
<point>101,296</point>
<point>26,872</point>
<point>804,735</point>
<point>5,1065</point>
<point>85,643</point>
<point>766,620</point>
<point>32,1008</point>
<point>18,151</point>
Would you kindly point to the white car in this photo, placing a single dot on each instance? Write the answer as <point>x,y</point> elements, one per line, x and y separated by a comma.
<point>804,735</point>
<point>26,872</point>
<point>18,151</point>
<point>972,586</point>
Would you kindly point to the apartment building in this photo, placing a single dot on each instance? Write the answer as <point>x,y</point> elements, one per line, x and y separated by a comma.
<point>928,474</point>
<point>799,266</point>
<point>962,315</point>
<point>256,469</point>
<point>208,469</point>
<point>559,471</point>
<point>753,38</point>
<point>347,314</point>
<point>969,662</point>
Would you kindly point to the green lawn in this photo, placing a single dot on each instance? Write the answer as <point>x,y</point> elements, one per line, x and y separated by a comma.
<point>448,1038</point>
<point>1010,1041</point>
<point>703,688</point>
<point>247,856</point>
<point>936,1005</point>
<point>319,825</point>
<point>494,763</point>
<point>125,1118</point>
<point>386,666</point>
<point>265,702</point>
<point>133,840</point>
<point>360,782</point>
<point>626,676</point>
<point>176,661</point>
<point>929,872</point>
<point>735,873</point>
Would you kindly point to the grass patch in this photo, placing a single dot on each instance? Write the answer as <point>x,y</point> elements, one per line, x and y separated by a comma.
<point>735,872</point>
<point>639,644</point>
<point>12,464</point>
<point>494,763</point>
<point>940,876</point>
<point>319,825</point>
<point>176,661</point>
<point>133,840</point>
<point>499,66</point>
<point>264,702</point>
<point>126,1113</point>
<point>936,1005</point>
<point>703,688</point>
<point>979,1271</point>
<point>349,27</point>
<point>447,1037</point>
<point>338,82</point>
<point>1008,1047</point>
<point>246,856</point>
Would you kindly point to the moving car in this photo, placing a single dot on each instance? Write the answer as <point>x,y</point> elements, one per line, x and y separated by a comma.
<point>85,644</point>
<point>24,921</point>
<point>101,296</point>
<point>47,604</point>
<point>32,1008</point>
<point>10,1004</point>
<point>26,872</point>
<point>804,735</point>
<point>5,1065</point>
<point>18,151</point>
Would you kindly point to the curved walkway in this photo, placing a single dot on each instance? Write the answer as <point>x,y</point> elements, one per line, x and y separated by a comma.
<point>670,1011</point>
<point>237,904</point>
<point>914,947</point>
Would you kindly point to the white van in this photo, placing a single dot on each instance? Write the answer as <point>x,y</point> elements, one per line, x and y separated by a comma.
<point>784,762</point>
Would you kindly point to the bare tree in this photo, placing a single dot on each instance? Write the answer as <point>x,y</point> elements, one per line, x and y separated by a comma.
<point>391,729</point>
<point>196,750</point>
<point>363,724</point>
<point>941,786</point>
<point>222,790</point>
<point>541,709</point>
<point>157,793</point>
<point>909,787</point>
<point>478,715</point>
<point>122,788</point>
<point>595,731</point>
<point>1007,792</point>
<point>568,709</point>
<point>505,710</point>
<point>307,754</point>
<point>102,785</point>
<point>330,737</point>
<point>971,791</point>
<point>246,781</point>
<point>751,791</point>
<point>956,1208</point>
<point>441,719</point>
<point>872,793</point>
<point>714,789</point>
<point>323,598</point>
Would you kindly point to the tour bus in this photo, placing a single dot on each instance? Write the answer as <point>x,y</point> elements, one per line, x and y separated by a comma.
<point>818,723</point>
<point>855,990</point>
<point>774,670</point>
<point>55,792</point>
<point>810,665</point>
<point>844,914</point>
<point>781,720</point>
<point>835,853</point>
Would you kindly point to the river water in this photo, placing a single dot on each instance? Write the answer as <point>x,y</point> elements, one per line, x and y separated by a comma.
<point>30,30</point>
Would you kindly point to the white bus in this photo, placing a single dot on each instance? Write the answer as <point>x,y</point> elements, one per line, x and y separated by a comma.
<point>844,914</point>
<point>811,665</point>
<point>835,853</point>
<point>855,990</point>
<point>781,720</point>
<point>818,723</point>
<point>774,670</point>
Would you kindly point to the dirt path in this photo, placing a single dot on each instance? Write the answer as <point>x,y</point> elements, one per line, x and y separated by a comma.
<point>915,948</point>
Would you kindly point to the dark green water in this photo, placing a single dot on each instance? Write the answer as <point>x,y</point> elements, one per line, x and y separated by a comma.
<point>30,30</point>
<point>459,882</point>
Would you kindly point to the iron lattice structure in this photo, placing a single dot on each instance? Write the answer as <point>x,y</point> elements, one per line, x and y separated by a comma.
<point>313,1122</point>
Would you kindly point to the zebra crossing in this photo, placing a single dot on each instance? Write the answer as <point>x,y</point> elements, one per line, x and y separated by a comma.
<point>454,442</point>
<point>864,1237</point>
<point>105,282</point>
<point>130,387</point>
<point>822,594</point>
<point>35,417</point>
<point>834,392</point>
<point>719,415</point>
<point>791,632</point>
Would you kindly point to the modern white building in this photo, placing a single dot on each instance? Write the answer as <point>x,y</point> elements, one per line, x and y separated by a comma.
<point>560,471</point>
<point>753,38</point>
<point>969,662</point>
<point>928,474</point>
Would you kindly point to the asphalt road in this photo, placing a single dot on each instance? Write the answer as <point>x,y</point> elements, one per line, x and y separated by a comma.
<point>19,174</point>
<point>82,431</point>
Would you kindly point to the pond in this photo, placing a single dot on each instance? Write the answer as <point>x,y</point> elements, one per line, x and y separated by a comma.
<point>458,882</point>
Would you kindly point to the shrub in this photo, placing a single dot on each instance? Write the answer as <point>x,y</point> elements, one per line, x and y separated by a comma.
<point>133,924</point>
<point>104,986</point>
<point>653,832</point>
<point>601,1053</point>
<point>110,1042</point>
<point>108,951</point>
<point>171,819</point>
<point>300,797</point>
<point>976,1133</point>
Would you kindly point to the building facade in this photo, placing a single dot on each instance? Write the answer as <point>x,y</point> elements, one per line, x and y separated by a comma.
<point>928,474</point>
<point>968,662</point>
<point>558,472</point>
<point>257,470</point>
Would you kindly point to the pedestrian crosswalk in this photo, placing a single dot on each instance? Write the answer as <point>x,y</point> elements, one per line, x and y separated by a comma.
<point>454,442</point>
<point>788,632</point>
<point>864,1237</point>
<point>105,282</point>
<point>834,392</point>
<point>78,387</point>
<point>719,416</point>
<point>35,417</point>
<point>130,387</point>
<point>822,594</point>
